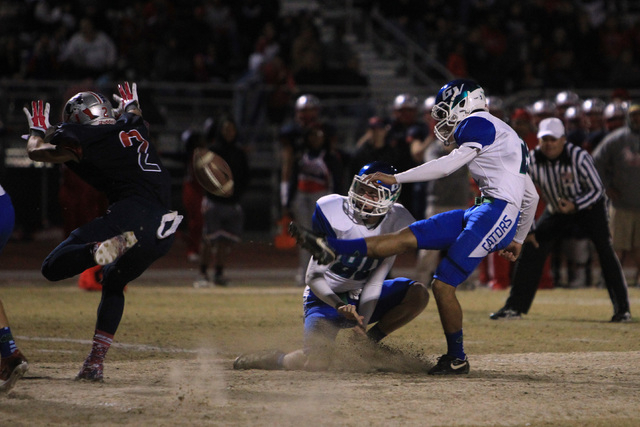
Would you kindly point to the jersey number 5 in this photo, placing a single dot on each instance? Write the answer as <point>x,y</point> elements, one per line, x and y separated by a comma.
<point>132,138</point>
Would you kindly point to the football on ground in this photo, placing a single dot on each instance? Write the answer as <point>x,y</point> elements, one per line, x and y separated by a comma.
<point>212,172</point>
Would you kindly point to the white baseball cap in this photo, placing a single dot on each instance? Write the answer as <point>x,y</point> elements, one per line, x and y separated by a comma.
<point>551,126</point>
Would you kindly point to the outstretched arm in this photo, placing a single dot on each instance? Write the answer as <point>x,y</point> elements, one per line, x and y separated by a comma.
<point>440,167</point>
<point>128,101</point>
<point>38,148</point>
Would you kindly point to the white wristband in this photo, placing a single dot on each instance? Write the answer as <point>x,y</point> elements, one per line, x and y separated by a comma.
<point>284,193</point>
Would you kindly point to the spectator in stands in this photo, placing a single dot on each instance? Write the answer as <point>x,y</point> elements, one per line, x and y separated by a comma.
<point>90,52</point>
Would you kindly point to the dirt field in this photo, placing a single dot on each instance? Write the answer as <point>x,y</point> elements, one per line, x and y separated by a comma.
<point>563,364</point>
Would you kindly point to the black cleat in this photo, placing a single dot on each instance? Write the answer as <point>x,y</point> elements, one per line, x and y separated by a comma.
<point>450,365</point>
<point>316,245</point>
<point>622,317</point>
<point>506,313</point>
<point>269,360</point>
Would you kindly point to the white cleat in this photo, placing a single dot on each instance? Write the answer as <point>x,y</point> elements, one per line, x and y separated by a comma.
<point>111,249</point>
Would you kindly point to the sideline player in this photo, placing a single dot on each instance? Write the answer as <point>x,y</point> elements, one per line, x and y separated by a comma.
<point>111,151</point>
<point>13,364</point>
<point>351,292</point>
<point>499,221</point>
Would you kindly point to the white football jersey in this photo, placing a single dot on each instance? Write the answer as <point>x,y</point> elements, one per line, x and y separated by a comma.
<point>352,273</point>
<point>500,168</point>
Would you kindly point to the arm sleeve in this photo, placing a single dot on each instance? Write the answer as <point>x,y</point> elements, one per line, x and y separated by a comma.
<point>438,168</point>
<point>527,210</point>
<point>321,288</point>
<point>592,187</point>
<point>371,290</point>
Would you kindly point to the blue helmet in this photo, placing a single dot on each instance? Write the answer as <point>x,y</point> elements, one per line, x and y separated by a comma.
<point>373,200</point>
<point>454,102</point>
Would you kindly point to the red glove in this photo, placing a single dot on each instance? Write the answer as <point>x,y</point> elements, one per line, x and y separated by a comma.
<point>39,120</point>
<point>128,98</point>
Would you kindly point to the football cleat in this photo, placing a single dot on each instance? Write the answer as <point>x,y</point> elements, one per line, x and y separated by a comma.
<point>506,313</point>
<point>12,368</point>
<point>269,360</point>
<point>111,249</point>
<point>316,245</point>
<point>90,371</point>
<point>450,365</point>
<point>220,280</point>
<point>622,317</point>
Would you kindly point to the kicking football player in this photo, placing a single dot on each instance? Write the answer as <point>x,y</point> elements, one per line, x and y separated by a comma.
<point>350,292</point>
<point>110,149</point>
<point>499,221</point>
<point>13,364</point>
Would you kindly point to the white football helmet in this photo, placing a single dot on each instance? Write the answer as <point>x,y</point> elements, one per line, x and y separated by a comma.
<point>567,98</point>
<point>593,106</point>
<point>307,101</point>
<point>369,200</point>
<point>454,103</point>
<point>88,108</point>
<point>405,100</point>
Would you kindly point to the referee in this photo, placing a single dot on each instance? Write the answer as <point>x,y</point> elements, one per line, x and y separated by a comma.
<point>571,186</point>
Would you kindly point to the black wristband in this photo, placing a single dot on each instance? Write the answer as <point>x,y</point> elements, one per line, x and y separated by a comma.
<point>36,132</point>
<point>131,106</point>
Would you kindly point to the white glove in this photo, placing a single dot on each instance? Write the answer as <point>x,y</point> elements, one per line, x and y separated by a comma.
<point>128,98</point>
<point>39,120</point>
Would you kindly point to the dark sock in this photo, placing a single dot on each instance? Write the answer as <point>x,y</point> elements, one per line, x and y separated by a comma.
<point>375,334</point>
<point>354,247</point>
<point>101,343</point>
<point>7,344</point>
<point>454,345</point>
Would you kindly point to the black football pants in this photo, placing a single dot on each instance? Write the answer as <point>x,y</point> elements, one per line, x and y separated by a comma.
<point>550,227</point>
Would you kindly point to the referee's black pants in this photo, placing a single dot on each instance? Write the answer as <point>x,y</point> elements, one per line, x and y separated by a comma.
<point>551,227</point>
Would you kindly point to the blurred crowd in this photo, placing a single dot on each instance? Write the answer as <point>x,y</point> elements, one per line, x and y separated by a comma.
<point>515,45</point>
<point>508,46</point>
<point>218,41</point>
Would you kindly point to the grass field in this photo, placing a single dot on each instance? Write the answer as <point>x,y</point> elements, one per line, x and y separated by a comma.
<point>171,364</point>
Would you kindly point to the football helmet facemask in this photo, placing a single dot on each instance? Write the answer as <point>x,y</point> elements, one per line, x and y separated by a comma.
<point>455,102</point>
<point>370,200</point>
<point>88,108</point>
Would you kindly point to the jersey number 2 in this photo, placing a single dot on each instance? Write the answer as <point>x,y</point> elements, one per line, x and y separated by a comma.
<point>132,137</point>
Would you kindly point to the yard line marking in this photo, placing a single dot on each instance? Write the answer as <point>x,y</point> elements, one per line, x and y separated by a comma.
<point>135,347</point>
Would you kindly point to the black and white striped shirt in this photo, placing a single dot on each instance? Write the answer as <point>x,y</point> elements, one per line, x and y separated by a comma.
<point>572,176</point>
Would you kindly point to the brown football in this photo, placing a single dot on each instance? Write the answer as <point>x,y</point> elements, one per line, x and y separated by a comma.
<point>212,172</point>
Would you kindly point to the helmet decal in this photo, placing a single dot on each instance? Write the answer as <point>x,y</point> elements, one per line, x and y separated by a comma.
<point>454,102</point>
<point>88,108</point>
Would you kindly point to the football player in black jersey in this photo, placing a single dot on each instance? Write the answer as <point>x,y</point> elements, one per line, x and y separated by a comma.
<point>110,149</point>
